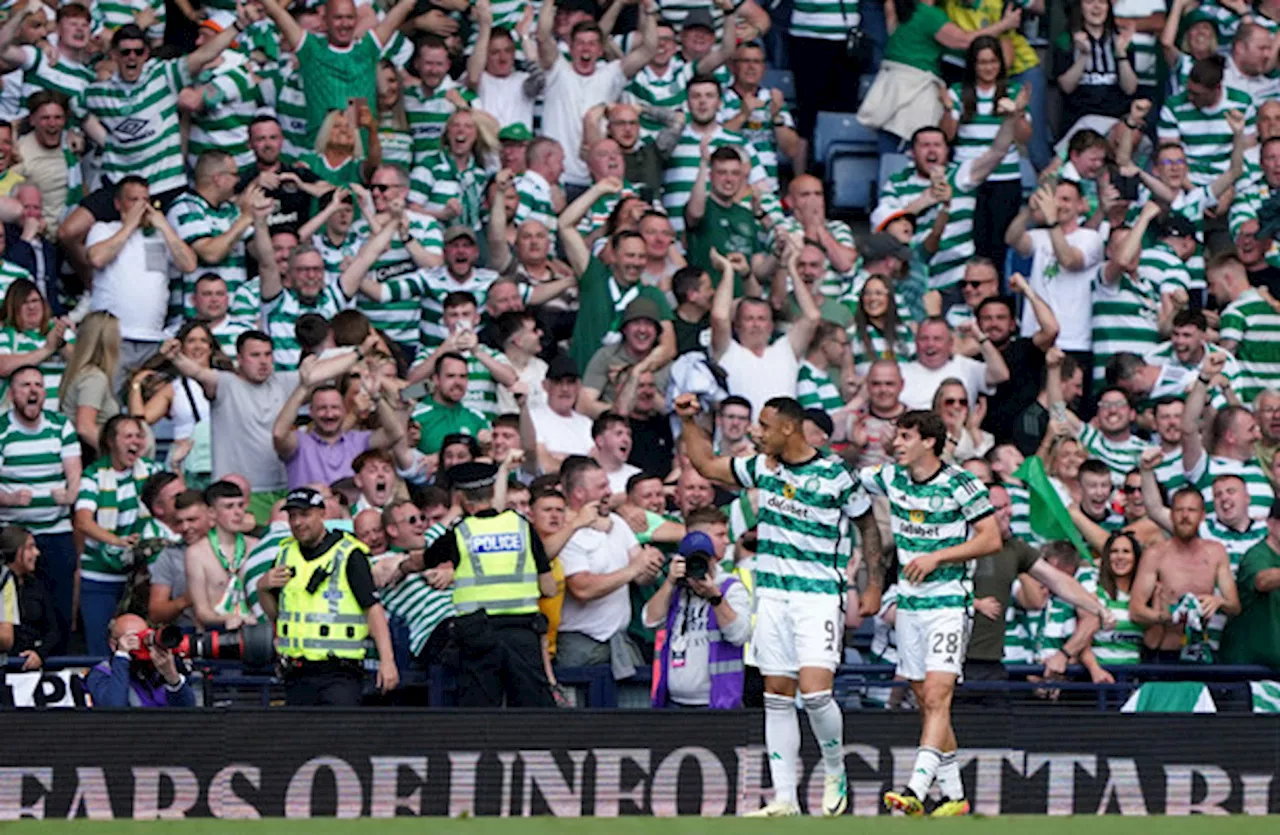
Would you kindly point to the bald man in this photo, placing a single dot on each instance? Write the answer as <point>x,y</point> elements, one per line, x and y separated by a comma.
<point>124,680</point>
<point>809,217</point>
<point>645,159</point>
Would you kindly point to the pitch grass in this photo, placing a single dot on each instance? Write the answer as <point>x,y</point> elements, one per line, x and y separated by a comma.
<point>1005,825</point>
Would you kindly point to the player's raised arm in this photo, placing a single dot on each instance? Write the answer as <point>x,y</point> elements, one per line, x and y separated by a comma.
<point>698,446</point>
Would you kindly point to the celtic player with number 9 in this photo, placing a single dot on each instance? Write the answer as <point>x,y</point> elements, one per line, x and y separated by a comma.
<point>806,501</point>
<point>941,520</point>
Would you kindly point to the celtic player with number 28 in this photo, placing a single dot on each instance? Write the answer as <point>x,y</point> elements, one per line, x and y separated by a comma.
<point>806,502</point>
<point>941,519</point>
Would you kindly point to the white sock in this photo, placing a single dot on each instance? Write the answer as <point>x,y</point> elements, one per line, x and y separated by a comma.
<point>782,741</point>
<point>949,777</point>
<point>926,767</point>
<point>828,726</point>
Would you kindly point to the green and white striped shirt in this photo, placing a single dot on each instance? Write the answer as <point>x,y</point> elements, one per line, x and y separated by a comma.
<point>827,20</point>
<point>926,517</point>
<point>667,89</point>
<point>428,113</point>
<point>534,193</point>
<point>816,389</point>
<point>1237,543</point>
<point>1202,473</point>
<point>1169,473</point>
<point>32,459</point>
<point>1124,318</point>
<point>1164,270</point>
<point>282,314</point>
<point>1174,373</point>
<point>759,125</point>
<point>1121,644</point>
<point>803,518</point>
<point>1119,456</point>
<point>107,563</point>
<point>1255,328</point>
<point>946,267</point>
<point>833,283</point>
<point>65,77</point>
<point>426,289</point>
<point>1143,46</point>
<point>415,601</point>
<point>440,180</point>
<point>194,219</point>
<point>231,103</point>
<point>904,346</point>
<point>682,168</point>
<point>1060,616</point>
<point>976,136</point>
<point>14,341</point>
<point>9,273</point>
<point>398,319</point>
<point>141,120</point>
<point>1020,504</point>
<point>1204,134</point>
<point>261,560</point>
<point>112,14</point>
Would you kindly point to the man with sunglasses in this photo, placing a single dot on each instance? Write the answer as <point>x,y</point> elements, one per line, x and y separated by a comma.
<point>133,114</point>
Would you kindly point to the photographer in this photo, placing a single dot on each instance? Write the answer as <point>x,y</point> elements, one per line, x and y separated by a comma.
<point>138,673</point>
<point>707,621</point>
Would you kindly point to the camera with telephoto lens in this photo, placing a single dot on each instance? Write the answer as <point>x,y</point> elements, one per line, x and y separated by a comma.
<point>253,644</point>
<point>697,565</point>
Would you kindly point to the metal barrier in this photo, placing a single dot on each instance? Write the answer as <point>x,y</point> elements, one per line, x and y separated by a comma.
<point>598,689</point>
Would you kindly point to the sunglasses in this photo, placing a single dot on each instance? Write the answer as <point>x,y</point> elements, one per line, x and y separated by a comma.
<point>380,187</point>
<point>954,401</point>
<point>413,520</point>
<point>1130,490</point>
<point>972,285</point>
<point>133,51</point>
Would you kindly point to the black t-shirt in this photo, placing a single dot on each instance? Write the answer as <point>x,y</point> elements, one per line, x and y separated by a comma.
<point>359,574</point>
<point>295,204</point>
<point>445,549</point>
<point>652,446</point>
<point>1026,367</point>
<point>689,335</point>
<point>1028,430</point>
<point>1268,277</point>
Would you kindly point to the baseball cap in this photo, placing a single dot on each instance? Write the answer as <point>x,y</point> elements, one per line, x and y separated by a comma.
<point>697,542</point>
<point>1176,226</point>
<point>820,419</point>
<point>515,132</point>
<point>883,245</point>
<point>303,498</point>
<point>642,307</point>
<point>884,224</point>
<point>562,367</point>
<point>459,231</point>
<point>696,18</point>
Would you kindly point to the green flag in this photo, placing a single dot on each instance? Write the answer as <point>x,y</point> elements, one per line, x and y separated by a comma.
<point>1049,517</point>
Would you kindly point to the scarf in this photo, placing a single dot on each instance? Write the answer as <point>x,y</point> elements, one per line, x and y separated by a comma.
<point>235,597</point>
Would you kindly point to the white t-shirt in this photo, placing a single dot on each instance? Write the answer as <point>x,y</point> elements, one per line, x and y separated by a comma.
<point>619,477</point>
<point>532,375</point>
<point>562,435</point>
<point>135,286</point>
<point>760,379</point>
<point>599,553</point>
<point>504,99</point>
<point>919,384</point>
<point>567,98</point>
<point>1068,294</point>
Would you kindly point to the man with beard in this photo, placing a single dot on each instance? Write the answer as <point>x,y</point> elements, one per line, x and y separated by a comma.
<point>703,132</point>
<point>643,156</point>
<point>637,353</point>
<point>40,473</point>
<point>291,186</point>
<point>487,370</point>
<point>216,563</point>
<point>1023,357</point>
<point>1185,351</point>
<point>444,413</point>
<point>605,290</point>
<point>1181,584</point>
<point>109,515</point>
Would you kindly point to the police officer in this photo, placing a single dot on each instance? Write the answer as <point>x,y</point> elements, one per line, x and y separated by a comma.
<point>322,597</point>
<point>499,571</point>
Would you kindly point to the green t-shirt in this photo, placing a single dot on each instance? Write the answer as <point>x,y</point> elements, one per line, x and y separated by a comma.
<point>332,77</point>
<point>601,301</point>
<point>438,420</point>
<point>726,229</point>
<point>913,43</point>
<point>1253,636</point>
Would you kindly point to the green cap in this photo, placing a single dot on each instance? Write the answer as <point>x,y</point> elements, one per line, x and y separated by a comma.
<point>515,132</point>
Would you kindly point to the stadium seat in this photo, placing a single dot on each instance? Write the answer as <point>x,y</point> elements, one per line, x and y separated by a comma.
<point>891,164</point>
<point>1028,172</point>
<point>852,181</point>
<point>783,80</point>
<point>841,131</point>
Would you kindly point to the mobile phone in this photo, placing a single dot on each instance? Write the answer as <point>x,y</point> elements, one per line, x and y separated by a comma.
<point>417,391</point>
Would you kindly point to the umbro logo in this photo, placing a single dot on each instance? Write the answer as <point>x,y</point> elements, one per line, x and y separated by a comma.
<point>130,128</point>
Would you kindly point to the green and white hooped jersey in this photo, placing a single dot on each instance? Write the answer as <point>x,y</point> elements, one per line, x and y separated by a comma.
<point>1123,643</point>
<point>141,120</point>
<point>804,516</point>
<point>230,105</point>
<point>1119,456</point>
<point>282,315</point>
<point>1143,47</point>
<point>426,289</point>
<point>1160,266</point>
<point>956,248</point>
<point>1060,616</point>
<point>1020,505</point>
<point>1022,628</point>
<point>1204,134</point>
<point>665,89</point>
<point>1237,543</point>
<point>1169,473</point>
<point>1255,328</point>
<point>926,517</point>
<point>1124,319</point>
<point>682,169</point>
<point>194,219</point>
<point>32,459</point>
<point>1203,472</point>
<point>816,389</point>
<point>975,136</point>
<point>107,563</point>
<point>826,20</point>
<point>14,341</point>
<point>398,319</point>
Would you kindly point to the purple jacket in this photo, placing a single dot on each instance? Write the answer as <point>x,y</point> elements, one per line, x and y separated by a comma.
<point>112,684</point>
<point>724,658</point>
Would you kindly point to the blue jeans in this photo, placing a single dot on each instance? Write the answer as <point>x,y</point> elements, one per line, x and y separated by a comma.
<point>57,570</point>
<point>1039,147</point>
<point>98,603</point>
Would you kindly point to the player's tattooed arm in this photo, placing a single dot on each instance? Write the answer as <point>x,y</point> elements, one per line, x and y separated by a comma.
<point>869,600</point>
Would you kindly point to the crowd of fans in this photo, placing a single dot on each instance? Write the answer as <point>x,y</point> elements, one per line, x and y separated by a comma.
<point>351,246</point>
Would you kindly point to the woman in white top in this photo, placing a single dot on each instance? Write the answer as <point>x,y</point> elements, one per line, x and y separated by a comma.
<point>157,391</point>
<point>965,438</point>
